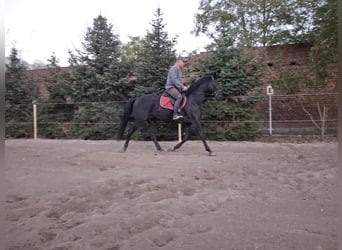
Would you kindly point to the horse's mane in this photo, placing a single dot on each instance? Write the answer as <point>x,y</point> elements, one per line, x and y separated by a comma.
<point>197,83</point>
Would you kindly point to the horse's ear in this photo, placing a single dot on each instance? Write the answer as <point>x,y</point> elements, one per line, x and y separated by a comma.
<point>214,75</point>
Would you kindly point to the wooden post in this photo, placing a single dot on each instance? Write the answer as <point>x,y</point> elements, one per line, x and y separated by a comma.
<point>179,132</point>
<point>34,120</point>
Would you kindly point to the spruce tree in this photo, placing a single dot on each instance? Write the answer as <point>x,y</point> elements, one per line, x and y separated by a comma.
<point>156,57</point>
<point>132,50</point>
<point>237,75</point>
<point>55,113</point>
<point>19,95</point>
<point>99,74</point>
<point>99,70</point>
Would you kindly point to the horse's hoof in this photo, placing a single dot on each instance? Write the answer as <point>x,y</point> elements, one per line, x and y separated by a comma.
<point>212,154</point>
<point>171,150</point>
<point>123,150</point>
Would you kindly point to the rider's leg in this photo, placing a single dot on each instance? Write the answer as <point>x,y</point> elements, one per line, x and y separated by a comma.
<point>176,109</point>
<point>178,97</point>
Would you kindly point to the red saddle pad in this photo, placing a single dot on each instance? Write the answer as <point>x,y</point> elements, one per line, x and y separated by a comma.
<point>165,102</point>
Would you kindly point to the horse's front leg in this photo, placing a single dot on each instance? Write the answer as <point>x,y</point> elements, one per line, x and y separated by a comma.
<point>197,127</point>
<point>154,135</point>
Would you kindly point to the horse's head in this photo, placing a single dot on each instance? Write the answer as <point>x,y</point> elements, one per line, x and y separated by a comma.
<point>213,90</point>
<point>206,86</point>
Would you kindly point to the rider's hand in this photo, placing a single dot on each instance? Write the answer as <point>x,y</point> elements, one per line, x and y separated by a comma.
<point>185,88</point>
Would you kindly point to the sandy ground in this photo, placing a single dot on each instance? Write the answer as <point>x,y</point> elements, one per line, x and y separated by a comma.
<point>73,194</point>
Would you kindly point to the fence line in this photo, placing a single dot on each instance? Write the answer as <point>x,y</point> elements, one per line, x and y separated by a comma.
<point>113,102</point>
<point>49,118</point>
<point>211,121</point>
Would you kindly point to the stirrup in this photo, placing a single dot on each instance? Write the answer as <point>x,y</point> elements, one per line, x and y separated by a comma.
<point>176,117</point>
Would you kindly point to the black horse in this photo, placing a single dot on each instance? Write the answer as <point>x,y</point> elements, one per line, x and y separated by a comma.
<point>145,111</point>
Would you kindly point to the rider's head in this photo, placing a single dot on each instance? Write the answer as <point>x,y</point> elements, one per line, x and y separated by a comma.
<point>181,61</point>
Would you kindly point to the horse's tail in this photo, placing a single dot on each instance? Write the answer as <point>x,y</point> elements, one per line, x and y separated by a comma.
<point>125,118</point>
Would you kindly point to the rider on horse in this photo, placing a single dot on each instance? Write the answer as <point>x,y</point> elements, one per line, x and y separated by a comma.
<point>174,85</point>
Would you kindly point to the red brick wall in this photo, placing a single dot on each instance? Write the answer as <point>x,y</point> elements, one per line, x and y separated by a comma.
<point>291,57</point>
<point>287,111</point>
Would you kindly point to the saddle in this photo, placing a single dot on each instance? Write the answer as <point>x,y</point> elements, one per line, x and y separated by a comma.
<point>167,101</point>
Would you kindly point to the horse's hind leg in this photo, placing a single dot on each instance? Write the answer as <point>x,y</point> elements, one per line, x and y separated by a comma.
<point>131,131</point>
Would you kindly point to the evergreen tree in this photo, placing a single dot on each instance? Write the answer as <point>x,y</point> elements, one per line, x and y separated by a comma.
<point>19,95</point>
<point>156,57</point>
<point>57,83</point>
<point>55,112</point>
<point>99,74</point>
<point>100,71</point>
<point>237,75</point>
<point>132,51</point>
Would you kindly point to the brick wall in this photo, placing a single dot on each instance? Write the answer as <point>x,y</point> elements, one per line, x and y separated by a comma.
<point>295,112</point>
<point>291,57</point>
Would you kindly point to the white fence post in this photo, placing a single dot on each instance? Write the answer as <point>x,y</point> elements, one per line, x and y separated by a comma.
<point>269,92</point>
<point>34,120</point>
